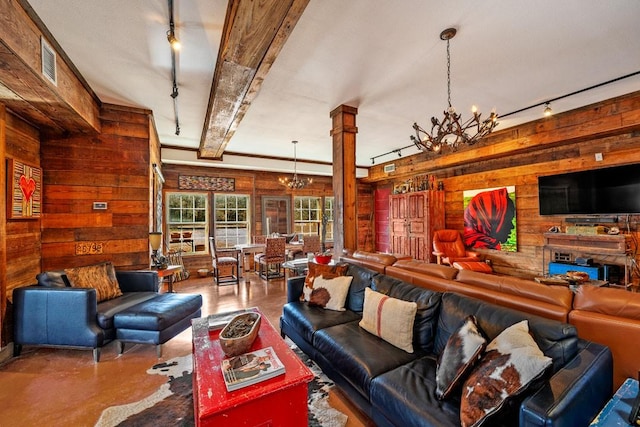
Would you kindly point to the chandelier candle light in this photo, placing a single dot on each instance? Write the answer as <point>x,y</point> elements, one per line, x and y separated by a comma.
<point>451,132</point>
<point>295,183</point>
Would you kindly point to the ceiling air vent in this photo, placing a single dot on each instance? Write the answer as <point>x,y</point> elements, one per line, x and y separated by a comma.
<point>389,168</point>
<point>48,61</point>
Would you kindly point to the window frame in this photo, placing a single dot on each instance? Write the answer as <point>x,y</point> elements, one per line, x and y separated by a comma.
<point>224,241</point>
<point>177,231</point>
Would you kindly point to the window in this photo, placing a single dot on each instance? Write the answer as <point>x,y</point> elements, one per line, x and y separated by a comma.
<point>328,216</point>
<point>232,220</point>
<point>187,223</point>
<point>307,214</point>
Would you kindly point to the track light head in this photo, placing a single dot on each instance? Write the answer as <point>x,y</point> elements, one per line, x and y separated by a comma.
<point>173,41</point>
<point>547,109</point>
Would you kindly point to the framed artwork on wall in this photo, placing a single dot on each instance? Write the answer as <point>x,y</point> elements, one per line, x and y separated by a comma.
<point>490,219</point>
<point>24,188</point>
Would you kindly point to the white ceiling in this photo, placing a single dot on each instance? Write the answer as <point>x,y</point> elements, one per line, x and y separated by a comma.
<point>384,57</point>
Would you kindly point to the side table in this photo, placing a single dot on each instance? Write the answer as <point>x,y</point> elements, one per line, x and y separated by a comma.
<point>168,272</point>
<point>616,411</point>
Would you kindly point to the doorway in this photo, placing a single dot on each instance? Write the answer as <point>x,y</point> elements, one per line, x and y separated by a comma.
<point>276,216</point>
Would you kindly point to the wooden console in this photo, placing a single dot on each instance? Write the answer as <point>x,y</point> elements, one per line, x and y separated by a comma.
<point>604,245</point>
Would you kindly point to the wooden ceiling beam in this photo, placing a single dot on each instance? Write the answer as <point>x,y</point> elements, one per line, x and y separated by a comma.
<point>68,106</point>
<point>253,36</point>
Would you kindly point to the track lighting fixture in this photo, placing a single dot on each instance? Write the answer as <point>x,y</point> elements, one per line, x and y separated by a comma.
<point>173,41</point>
<point>547,109</point>
<point>175,45</point>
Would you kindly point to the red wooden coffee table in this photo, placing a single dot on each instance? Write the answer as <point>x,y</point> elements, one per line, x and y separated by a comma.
<point>279,401</point>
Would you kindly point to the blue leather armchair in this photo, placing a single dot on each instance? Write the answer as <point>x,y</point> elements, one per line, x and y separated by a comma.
<point>51,313</point>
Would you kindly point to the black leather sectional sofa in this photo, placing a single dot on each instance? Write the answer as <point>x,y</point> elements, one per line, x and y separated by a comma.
<point>397,388</point>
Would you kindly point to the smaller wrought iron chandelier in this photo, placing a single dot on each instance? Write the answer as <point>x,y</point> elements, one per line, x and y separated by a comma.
<point>295,183</point>
<point>451,132</point>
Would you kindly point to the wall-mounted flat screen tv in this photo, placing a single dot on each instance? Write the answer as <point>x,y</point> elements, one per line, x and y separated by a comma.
<point>612,190</point>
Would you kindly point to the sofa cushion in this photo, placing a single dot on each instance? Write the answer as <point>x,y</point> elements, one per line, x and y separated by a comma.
<point>330,294</point>
<point>53,279</point>
<point>361,279</point>
<point>423,267</point>
<point>459,356</point>
<point>512,361</point>
<point>158,313</point>
<point>555,295</point>
<point>385,259</point>
<point>360,356</point>
<point>309,319</point>
<point>609,301</point>
<point>107,309</point>
<point>407,396</point>
<point>101,277</point>
<point>428,304</point>
<point>389,318</point>
<point>324,270</point>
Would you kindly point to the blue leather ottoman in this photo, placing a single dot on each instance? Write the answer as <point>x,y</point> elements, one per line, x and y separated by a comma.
<point>157,320</point>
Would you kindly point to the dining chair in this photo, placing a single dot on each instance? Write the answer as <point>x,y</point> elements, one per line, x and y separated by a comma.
<point>310,243</point>
<point>226,259</point>
<point>270,262</point>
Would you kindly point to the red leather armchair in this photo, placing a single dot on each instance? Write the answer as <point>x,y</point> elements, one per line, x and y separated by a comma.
<point>448,248</point>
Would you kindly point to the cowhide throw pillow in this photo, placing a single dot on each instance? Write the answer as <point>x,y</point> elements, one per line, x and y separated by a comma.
<point>321,270</point>
<point>329,293</point>
<point>463,350</point>
<point>389,318</point>
<point>511,362</point>
<point>101,277</point>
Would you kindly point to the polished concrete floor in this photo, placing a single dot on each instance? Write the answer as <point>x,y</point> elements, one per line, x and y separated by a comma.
<point>64,387</point>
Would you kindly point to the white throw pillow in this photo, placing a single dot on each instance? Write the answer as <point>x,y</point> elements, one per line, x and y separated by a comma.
<point>330,294</point>
<point>389,318</point>
<point>511,362</point>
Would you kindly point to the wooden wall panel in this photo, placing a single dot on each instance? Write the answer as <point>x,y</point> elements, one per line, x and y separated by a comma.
<point>563,143</point>
<point>112,167</point>
<point>20,240</point>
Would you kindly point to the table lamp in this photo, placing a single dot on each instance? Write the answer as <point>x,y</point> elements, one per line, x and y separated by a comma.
<point>155,240</point>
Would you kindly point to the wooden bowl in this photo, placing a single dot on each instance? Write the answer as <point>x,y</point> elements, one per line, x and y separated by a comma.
<point>323,259</point>
<point>578,276</point>
<point>239,334</point>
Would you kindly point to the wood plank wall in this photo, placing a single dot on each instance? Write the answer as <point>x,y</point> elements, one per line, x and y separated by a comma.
<point>256,184</point>
<point>111,167</point>
<point>21,240</point>
<point>517,156</point>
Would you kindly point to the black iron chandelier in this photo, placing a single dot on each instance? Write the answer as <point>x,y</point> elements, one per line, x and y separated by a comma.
<point>451,132</point>
<point>295,183</point>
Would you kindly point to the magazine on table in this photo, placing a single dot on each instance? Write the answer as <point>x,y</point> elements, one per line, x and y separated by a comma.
<point>220,320</point>
<point>251,368</point>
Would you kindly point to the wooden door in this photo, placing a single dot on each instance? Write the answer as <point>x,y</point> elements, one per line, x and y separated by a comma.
<point>398,227</point>
<point>413,217</point>
<point>417,225</point>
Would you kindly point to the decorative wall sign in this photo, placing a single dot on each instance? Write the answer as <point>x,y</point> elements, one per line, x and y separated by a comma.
<point>89,248</point>
<point>490,219</point>
<point>24,188</point>
<point>189,182</point>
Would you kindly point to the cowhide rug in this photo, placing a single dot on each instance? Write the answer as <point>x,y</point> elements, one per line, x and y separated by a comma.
<point>172,403</point>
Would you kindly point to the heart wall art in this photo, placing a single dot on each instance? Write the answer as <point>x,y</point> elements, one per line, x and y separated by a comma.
<point>25,190</point>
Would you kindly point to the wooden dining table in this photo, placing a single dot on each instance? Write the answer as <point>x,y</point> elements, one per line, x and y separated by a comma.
<point>254,248</point>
